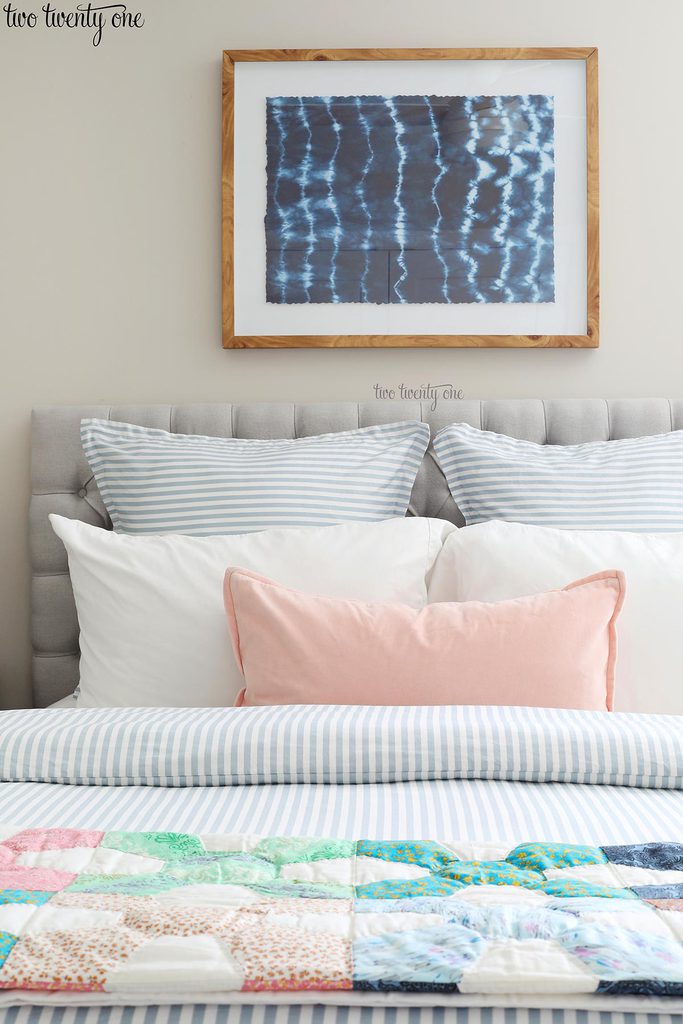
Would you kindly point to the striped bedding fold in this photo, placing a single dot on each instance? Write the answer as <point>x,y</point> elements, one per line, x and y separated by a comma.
<point>177,747</point>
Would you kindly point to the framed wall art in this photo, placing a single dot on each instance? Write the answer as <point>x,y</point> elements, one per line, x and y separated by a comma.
<point>410,198</point>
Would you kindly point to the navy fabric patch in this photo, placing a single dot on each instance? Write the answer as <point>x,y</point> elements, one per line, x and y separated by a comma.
<point>404,986</point>
<point>662,856</point>
<point>637,987</point>
<point>659,892</point>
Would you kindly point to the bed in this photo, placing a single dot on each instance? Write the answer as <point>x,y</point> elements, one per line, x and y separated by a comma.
<point>462,775</point>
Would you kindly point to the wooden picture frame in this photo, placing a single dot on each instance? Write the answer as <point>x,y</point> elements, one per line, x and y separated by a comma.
<point>588,339</point>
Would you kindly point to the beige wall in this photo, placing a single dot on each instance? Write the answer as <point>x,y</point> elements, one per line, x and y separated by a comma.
<point>109,222</point>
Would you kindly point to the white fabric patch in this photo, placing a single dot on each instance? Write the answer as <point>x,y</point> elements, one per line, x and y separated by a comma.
<point>478,851</point>
<point>75,859</point>
<point>176,963</point>
<point>349,871</point>
<point>338,870</point>
<point>516,894</point>
<point>15,916</point>
<point>91,861</point>
<point>531,965</point>
<point>58,919</point>
<point>674,922</point>
<point>367,925</point>
<point>599,874</point>
<point>646,922</point>
<point>597,904</point>
<point>619,875</point>
<point>374,869</point>
<point>209,896</point>
<point>22,919</point>
<point>214,843</point>
<point>647,876</point>
<point>327,924</point>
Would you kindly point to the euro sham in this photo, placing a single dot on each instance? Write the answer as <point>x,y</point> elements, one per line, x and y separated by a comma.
<point>152,481</point>
<point>632,484</point>
<point>556,649</point>
<point>497,561</point>
<point>150,609</point>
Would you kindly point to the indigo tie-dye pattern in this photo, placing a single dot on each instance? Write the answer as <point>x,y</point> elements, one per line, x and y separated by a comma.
<point>410,199</point>
<point>141,912</point>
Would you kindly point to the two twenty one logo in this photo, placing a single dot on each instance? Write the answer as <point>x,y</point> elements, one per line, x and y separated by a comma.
<point>431,393</point>
<point>89,16</point>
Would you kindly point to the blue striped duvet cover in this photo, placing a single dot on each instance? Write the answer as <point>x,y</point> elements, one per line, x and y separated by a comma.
<point>475,773</point>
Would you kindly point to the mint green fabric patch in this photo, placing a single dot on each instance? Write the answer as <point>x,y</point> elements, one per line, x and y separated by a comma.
<point>126,885</point>
<point>282,850</point>
<point>162,845</point>
<point>280,889</point>
<point>545,856</point>
<point>231,869</point>
<point>425,854</point>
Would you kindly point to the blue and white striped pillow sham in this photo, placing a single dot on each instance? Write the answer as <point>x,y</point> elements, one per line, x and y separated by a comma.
<point>152,481</point>
<point>634,484</point>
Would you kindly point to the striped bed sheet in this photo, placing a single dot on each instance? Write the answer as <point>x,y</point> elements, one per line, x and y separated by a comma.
<point>261,1014</point>
<point>495,805</point>
<point>450,809</point>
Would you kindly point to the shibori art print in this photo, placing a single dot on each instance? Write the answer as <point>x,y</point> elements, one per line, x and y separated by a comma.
<point>410,198</point>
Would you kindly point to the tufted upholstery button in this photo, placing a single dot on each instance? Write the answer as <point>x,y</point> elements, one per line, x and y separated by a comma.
<point>83,492</point>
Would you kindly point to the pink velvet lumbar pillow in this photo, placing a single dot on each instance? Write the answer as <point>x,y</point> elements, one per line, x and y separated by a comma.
<point>556,649</point>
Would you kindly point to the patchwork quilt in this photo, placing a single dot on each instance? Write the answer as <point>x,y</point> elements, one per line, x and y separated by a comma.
<point>119,912</point>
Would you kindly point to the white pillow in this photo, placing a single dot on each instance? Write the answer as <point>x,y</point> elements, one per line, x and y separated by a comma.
<point>498,560</point>
<point>150,609</point>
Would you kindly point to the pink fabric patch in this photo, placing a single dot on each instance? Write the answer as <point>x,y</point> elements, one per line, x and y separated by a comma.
<point>553,650</point>
<point>6,857</point>
<point>53,839</point>
<point>35,879</point>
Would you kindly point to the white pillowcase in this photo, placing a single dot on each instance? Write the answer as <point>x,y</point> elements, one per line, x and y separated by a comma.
<point>499,560</point>
<point>150,609</point>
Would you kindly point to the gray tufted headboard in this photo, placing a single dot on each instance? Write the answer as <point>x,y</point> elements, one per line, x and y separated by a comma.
<point>62,481</point>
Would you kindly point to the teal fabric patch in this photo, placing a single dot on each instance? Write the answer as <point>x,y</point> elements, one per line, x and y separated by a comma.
<point>24,896</point>
<point>491,872</point>
<point>545,856</point>
<point>424,854</point>
<point>7,943</point>
<point>398,889</point>
<point>567,887</point>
